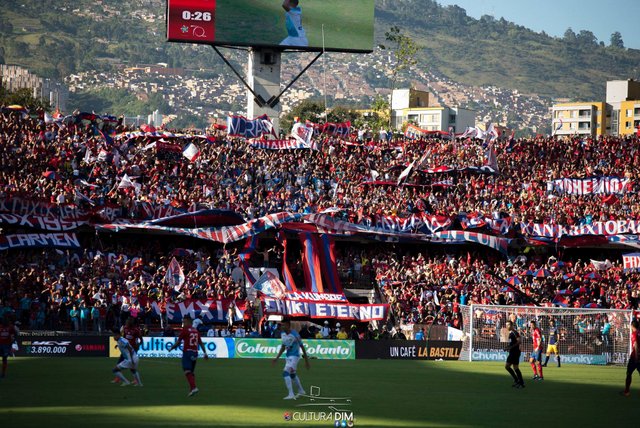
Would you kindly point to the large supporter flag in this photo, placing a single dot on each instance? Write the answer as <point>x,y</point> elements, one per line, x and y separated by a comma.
<point>342,129</point>
<point>631,261</point>
<point>270,285</point>
<point>240,126</point>
<point>174,275</point>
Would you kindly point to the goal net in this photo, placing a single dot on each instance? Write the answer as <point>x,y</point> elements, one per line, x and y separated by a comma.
<point>586,336</point>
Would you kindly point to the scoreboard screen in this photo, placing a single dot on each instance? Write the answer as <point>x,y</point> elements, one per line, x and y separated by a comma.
<point>307,25</point>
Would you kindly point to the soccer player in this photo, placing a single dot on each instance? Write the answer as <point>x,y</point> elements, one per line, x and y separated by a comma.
<point>293,21</point>
<point>513,359</point>
<point>554,340</point>
<point>634,358</point>
<point>129,360</point>
<point>292,344</point>
<point>536,355</point>
<point>131,332</point>
<point>191,338</point>
<point>7,336</point>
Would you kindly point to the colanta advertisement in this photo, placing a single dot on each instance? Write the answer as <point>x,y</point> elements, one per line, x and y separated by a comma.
<point>319,349</point>
<point>62,346</point>
<point>220,347</point>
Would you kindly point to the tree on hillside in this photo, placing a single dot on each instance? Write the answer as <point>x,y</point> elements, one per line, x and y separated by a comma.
<point>304,110</point>
<point>23,97</point>
<point>570,35</point>
<point>587,38</point>
<point>616,40</point>
<point>403,49</point>
<point>342,114</point>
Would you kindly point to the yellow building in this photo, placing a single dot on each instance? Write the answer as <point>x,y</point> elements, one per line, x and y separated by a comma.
<point>629,117</point>
<point>618,115</point>
<point>585,118</point>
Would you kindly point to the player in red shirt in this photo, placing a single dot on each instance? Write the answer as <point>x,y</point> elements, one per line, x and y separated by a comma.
<point>7,336</point>
<point>191,338</point>
<point>536,355</point>
<point>634,358</point>
<point>131,332</point>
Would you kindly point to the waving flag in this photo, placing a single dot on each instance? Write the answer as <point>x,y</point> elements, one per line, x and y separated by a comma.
<point>406,172</point>
<point>599,265</point>
<point>270,285</point>
<point>342,129</point>
<point>126,182</point>
<point>560,300</point>
<point>191,152</point>
<point>174,275</point>
<point>559,127</point>
<point>302,133</point>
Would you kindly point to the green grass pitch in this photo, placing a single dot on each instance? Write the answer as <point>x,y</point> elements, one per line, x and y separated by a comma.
<point>248,393</point>
<point>348,24</point>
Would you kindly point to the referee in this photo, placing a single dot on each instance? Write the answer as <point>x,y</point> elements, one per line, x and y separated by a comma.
<point>513,359</point>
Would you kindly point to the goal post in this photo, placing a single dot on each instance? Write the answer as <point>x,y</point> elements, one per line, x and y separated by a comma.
<point>586,336</point>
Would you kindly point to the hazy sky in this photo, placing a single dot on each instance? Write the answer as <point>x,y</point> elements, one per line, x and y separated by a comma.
<point>555,16</point>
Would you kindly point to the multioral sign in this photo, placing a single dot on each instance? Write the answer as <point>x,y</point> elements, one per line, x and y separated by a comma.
<point>158,347</point>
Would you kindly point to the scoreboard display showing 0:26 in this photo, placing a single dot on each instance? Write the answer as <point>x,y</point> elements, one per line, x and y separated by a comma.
<point>312,25</point>
<point>191,21</point>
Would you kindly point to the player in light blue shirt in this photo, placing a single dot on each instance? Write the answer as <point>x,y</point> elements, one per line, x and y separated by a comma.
<point>130,359</point>
<point>291,346</point>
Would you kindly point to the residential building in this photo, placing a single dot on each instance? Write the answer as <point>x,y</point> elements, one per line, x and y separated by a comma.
<point>13,77</point>
<point>409,105</point>
<point>589,118</point>
<point>629,117</point>
<point>618,115</point>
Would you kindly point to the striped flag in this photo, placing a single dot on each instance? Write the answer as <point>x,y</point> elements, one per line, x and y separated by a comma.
<point>191,152</point>
<point>174,275</point>
<point>406,172</point>
<point>270,285</point>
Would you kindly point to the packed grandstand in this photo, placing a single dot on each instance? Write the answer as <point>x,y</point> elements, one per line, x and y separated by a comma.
<point>93,215</point>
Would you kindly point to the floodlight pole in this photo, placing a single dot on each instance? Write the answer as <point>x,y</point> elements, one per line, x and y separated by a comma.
<point>265,81</point>
<point>258,99</point>
<point>273,101</point>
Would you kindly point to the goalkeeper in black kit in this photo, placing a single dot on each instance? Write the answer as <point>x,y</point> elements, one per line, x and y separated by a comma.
<point>513,359</point>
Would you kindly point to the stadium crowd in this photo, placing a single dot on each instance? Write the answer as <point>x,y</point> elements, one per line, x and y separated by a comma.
<point>98,290</point>
<point>84,162</point>
<point>429,289</point>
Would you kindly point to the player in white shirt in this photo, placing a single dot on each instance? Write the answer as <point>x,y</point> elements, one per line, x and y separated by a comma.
<point>197,322</point>
<point>293,21</point>
<point>130,360</point>
<point>325,330</point>
<point>292,344</point>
